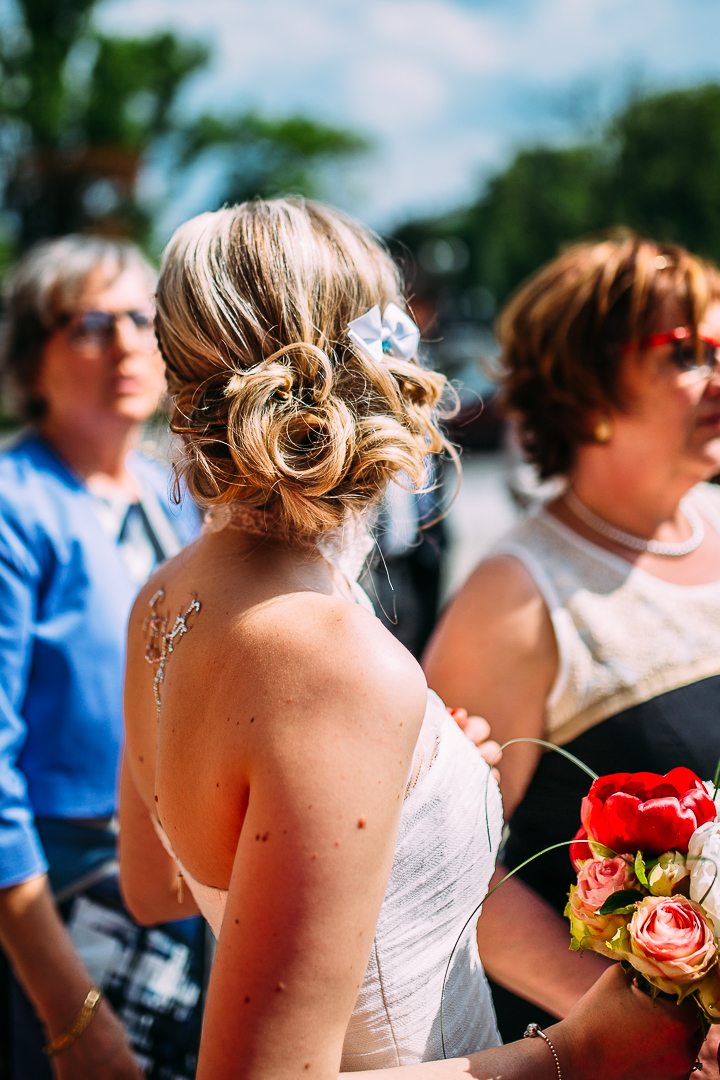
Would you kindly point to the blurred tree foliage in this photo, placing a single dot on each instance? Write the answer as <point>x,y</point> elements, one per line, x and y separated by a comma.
<point>268,156</point>
<point>81,113</point>
<point>655,168</point>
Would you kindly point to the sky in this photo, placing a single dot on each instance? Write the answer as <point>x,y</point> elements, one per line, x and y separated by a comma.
<point>446,90</point>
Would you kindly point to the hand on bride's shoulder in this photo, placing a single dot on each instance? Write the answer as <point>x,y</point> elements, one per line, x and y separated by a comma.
<point>477,730</point>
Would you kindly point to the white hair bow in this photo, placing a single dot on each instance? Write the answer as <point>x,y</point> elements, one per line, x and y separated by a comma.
<point>394,333</point>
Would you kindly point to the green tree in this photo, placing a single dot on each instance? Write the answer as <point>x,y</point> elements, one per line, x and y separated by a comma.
<point>544,199</point>
<point>665,180</point>
<point>654,168</point>
<point>266,156</point>
<point>81,112</point>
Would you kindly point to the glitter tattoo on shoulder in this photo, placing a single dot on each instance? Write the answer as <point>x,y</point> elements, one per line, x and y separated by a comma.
<point>160,641</point>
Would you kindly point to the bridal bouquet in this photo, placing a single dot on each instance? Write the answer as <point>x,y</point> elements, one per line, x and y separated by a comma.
<point>648,882</point>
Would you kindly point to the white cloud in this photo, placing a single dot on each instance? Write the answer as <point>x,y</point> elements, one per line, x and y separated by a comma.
<point>448,88</point>
<point>390,96</point>
<point>435,32</point>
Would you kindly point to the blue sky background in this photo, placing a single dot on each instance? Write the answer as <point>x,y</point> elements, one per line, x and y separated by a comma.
<point>445,89</point>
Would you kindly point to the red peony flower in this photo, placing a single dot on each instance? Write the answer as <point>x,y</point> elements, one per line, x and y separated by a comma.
<point>580,850</point>
<point>629,812</point>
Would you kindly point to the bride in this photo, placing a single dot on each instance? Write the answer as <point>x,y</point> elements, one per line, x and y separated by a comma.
<point>287,771</point>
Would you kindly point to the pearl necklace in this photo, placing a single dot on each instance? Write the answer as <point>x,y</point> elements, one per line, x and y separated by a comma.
<point>637,543</point>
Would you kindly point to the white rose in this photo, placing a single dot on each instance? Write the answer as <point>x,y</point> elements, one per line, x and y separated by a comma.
<point>703,860</point>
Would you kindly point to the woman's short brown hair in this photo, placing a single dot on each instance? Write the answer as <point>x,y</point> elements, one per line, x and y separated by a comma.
<point>560,333</point>
<point>276,407</point>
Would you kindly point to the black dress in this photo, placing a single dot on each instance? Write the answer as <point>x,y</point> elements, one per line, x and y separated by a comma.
<point>638,690</point>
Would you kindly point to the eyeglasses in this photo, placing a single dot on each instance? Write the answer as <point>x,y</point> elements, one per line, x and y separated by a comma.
<point>696,362</point>
<point>93,331</point>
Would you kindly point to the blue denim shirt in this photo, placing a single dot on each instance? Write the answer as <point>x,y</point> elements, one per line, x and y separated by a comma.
<point>65,597</point>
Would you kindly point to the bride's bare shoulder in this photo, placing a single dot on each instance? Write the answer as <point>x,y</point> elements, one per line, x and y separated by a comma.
<point>324,640</point>
<point>304,648</point>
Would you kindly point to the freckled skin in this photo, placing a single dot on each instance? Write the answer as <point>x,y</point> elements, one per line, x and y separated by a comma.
<point>268,785</point>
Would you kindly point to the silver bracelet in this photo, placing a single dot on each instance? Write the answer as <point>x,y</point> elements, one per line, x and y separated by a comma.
<point>534,1031</point>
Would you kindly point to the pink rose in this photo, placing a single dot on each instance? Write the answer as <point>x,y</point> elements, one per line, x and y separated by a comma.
<point>600,878</point>
<point>597,879</point>
<point>671,940</point>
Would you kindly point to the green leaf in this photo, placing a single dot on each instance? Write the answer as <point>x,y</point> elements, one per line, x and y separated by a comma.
<point>708,1016</point>
<point>640,869</point>
<point>621,902</point>
<point>600,851</point>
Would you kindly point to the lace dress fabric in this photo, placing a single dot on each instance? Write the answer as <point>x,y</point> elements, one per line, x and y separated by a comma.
<point>623,635</point>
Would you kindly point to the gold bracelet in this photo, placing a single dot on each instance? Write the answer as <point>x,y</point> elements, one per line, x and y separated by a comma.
<point>81,1021</point>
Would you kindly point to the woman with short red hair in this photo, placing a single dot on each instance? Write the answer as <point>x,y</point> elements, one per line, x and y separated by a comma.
<point>595,624</point>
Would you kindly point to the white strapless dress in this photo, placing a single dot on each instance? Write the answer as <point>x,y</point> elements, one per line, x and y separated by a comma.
<point>443,863</point>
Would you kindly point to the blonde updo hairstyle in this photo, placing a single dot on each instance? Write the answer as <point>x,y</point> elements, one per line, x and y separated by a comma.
<point>276,407</point>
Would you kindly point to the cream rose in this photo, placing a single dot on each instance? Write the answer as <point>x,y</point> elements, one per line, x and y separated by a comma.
<point>669,875</point>
<point>672,941</point>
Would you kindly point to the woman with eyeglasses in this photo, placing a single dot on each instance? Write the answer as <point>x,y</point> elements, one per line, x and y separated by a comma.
<point>84,519</point>
<point>595,624</point>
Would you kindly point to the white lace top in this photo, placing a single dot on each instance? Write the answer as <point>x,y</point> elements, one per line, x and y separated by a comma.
<point>624,636</point>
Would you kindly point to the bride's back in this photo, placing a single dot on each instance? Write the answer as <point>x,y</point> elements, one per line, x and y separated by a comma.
<point>271,734</point>
<point>271,624</point>
<point>291,432</point>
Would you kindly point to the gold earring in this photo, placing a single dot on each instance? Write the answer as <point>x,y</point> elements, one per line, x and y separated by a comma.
<point>603,430</point>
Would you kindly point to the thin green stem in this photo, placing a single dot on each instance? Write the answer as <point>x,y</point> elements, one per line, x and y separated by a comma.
<point>716,780</point>
<point>563,843</point>
<point>558,750</point>
<point>549,746</point>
